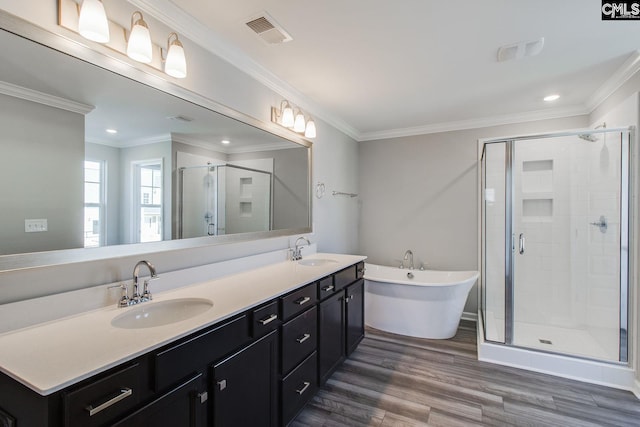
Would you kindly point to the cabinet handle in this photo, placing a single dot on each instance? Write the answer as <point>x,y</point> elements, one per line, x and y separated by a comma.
<point>222,385</point>
<point>304,388</point>
<point>303,338</point>
<point>268,319</point>
<point>302,301</point>
<point>204,396</point>
<point>328,288</point>
<point>124,393</point>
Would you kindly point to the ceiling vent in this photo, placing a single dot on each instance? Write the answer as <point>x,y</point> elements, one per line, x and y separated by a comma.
<point>268,29</point>
<point>520,50</point>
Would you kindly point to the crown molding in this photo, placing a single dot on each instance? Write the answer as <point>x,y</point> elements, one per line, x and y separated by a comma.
<point>613,83</point>
<point>44,98</point>
<point>177,19</point>
<point>529,116</point>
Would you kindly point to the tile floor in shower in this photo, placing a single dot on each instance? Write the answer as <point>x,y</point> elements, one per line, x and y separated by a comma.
<point>576,342</point>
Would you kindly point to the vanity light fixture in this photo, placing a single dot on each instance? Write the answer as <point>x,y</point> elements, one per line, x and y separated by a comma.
<point>551,98</point>
<point>93,23</point>
<point>299,124</point>
<point>284,116</point>
<point>175,63</point>
<point>310,131</point>
<point>139,47</point>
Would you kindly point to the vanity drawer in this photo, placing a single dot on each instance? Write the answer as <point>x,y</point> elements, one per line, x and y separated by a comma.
<point>265,319</point>
<point>344,277</point>
<point>299,338</point>
<point>104,400</point>
<point>298,387</point>
<point>187,357</point>
<point>298,301</point>
<point>326,288</point>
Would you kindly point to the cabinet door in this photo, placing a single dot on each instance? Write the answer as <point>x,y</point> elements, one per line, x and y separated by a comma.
<point>355,315</point>
<point>245,386</point>
<point>331,325</point>
<point>183,405</point>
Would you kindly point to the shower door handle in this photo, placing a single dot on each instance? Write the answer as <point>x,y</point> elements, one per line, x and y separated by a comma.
<point>521,243</point>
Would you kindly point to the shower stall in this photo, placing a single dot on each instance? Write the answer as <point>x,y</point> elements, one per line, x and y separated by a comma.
<point>223,199</point>
<point>555,243</point>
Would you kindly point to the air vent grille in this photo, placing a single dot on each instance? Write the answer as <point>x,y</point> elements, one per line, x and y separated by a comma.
<point>181,118</point>
<point>268,29</point>
<point>260,25</point>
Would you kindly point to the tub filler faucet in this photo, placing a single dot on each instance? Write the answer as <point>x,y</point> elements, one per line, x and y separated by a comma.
<point>408,256</point>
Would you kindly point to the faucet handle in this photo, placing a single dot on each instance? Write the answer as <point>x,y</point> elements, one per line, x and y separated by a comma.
<point>124,298</point>
<point>146,295</point>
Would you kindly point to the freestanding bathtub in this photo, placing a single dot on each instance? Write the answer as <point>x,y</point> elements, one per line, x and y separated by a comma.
<point>425,304</point>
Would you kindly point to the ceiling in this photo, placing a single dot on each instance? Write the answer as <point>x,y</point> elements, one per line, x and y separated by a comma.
<point>380,68</point>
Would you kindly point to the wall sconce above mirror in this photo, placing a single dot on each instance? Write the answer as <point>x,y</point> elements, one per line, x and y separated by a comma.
<point>294,119</point>
<point>90,19</point>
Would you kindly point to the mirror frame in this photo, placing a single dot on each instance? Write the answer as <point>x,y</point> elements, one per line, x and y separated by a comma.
<point>110,60</point>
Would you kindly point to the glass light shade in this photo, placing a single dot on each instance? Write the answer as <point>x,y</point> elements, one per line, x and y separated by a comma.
<point>287,116</point>
<point>310,131</point>
<point>176,65</point>
<point>139,47</point>
<point>299,124</point>
<point>93,23</point>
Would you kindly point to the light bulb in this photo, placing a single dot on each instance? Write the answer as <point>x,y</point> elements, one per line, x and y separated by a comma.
<point>299,124</point>
<point>287,116</point>
<point>176,64</point>
<point>310,131</point>
<point>139,47</point>
<point>93,23</point>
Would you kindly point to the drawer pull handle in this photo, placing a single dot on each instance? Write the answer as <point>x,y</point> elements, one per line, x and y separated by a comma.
<point>304,388</point>
<point>302,301</point>
<point>124,393</point>
<point>303,338</point>
<point>328,288</point>
<point>268,319</point>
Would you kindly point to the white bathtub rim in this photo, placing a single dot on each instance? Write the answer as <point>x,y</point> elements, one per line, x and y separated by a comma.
<point>466,275</point>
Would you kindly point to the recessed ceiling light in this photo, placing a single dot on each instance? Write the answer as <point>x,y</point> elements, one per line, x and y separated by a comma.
<point>112,131</point>
<point>551,98</point>
<point>225,141</point>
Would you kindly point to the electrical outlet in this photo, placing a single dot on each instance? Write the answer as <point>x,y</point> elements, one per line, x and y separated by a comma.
<point>35,225</point>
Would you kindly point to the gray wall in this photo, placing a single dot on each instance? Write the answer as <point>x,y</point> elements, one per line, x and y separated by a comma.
<point>420,193</point>
<point>51,142</point>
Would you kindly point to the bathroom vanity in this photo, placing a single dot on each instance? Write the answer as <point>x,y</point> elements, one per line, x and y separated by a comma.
<point>241,363</point>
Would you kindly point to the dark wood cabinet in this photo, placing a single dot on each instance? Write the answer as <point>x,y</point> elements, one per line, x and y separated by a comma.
<point>354,299</point>
<point>257,368</point>
<point>331,321</point>
<point>182,405</point>
<point>245,386</point>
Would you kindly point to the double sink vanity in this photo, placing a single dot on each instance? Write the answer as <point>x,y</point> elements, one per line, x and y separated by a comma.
<point>247,349</point>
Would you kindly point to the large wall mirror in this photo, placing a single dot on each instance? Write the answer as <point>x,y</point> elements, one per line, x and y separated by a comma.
<point>93,159</point>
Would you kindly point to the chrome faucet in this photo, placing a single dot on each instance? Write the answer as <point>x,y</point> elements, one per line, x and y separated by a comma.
<point>297,252</point>
<point>136,298</point>
<point>408,256</point>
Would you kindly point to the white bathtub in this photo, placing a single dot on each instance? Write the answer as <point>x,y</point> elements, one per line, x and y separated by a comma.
<point>427,305</point>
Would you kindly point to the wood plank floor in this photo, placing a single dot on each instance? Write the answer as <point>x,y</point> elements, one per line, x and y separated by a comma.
<point>392,380</point>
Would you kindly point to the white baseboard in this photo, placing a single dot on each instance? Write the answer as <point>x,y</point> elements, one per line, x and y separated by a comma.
<point>472,317</point>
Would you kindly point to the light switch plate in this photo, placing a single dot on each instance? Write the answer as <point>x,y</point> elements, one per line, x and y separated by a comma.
<point>35,225</point>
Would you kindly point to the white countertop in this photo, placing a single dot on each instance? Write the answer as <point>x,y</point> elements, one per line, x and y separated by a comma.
<point>51,356</point>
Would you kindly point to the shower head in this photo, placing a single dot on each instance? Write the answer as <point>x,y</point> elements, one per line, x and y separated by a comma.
<point>588,137</point>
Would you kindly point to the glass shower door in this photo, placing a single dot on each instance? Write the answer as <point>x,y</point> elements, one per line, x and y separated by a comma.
<point>567,228</point>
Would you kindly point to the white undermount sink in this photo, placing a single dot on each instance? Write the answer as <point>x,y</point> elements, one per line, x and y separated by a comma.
<point>151,314</point>
<point>316,262</point>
